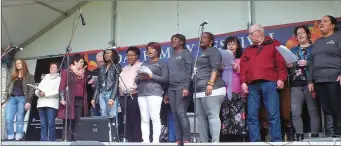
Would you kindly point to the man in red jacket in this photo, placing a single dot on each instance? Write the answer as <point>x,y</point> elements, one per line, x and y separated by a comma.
<point>263,71</point>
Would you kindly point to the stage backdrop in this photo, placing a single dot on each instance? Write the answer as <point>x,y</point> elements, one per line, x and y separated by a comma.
<point>283,33</point>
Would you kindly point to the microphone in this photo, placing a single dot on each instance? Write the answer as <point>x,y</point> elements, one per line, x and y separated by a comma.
<point>82,18</point>
<point>15,47</point>
<point>204,23</point>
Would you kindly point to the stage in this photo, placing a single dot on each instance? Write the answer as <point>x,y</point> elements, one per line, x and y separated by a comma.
<point>315,141</point>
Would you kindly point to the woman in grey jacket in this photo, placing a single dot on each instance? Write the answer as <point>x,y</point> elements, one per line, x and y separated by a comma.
<point>210,89</point>
<point>18,97</point>
<point>180,70</point>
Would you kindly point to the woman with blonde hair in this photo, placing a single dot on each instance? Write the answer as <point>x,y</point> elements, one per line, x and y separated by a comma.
<point>18,97</point>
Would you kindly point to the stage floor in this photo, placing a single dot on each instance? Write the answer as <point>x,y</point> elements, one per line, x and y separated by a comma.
<point>316,141</point>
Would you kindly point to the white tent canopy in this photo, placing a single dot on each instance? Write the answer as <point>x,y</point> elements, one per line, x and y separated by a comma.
<point>25,20</point>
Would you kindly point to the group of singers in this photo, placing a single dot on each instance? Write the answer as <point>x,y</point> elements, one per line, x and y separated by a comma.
<point>228,96</point>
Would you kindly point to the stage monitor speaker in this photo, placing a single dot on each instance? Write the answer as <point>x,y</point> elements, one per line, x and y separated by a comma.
<point>95,129</point>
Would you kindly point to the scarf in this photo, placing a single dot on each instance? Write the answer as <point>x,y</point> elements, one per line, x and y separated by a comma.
<point>78,71</point>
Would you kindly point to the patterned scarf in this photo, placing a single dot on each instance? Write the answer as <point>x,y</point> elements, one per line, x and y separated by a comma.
<point>78,71</point>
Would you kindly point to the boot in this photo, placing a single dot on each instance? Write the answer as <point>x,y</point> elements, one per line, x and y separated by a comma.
<point>314,135</point>
<point>299,137</point>
<point>337,125</point>
<point>329,126</point>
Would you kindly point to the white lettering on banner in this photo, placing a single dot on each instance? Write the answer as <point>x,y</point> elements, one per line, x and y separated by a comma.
<point>190,47</point>
<point>144,55</point>
<point>120,60</point>
<point>165,55</point>
<point>250,41</point>
<point>125,59</point>
<point>271,34</point>
<point>222,43</point>
<point>242,41</point>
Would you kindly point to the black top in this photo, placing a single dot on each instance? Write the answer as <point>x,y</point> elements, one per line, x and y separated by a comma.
<point>18,88</point>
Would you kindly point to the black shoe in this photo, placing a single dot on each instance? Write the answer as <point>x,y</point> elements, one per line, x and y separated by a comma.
<point>9,139</point>
<point>314,135</point>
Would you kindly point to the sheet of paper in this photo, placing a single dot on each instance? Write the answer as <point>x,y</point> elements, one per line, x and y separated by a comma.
<point>287,54</point>
<point>227,57</point>
<point>35,87</point>
<point>145,70</point>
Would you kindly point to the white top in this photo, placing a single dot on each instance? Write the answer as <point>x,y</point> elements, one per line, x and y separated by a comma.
<point>50,85</point>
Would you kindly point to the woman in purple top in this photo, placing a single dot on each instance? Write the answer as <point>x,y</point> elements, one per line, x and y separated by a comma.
<point>233,109</point>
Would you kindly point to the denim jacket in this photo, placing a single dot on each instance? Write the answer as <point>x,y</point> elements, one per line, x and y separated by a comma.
<point>107,81</point>
<point>298,52</point>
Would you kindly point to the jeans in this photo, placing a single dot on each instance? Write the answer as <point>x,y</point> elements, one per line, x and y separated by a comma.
<point>208,109</point>
<point>47,120</point>
<point>179,106</point>
<point>15,107</point>
<point>298,96</point>
<point>150,107</point>
<point>105,110</point>
<point>268,90</point>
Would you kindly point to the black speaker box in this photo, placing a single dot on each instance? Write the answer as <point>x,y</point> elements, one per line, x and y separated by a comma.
<point>96,129</point>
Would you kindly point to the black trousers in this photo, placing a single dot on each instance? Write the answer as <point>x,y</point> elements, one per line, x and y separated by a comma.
<point>133,127</point>
<point>329,95</point>
<point>71,134</point>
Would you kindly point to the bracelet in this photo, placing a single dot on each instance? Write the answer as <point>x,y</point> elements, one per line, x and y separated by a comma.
<point>210,83</point>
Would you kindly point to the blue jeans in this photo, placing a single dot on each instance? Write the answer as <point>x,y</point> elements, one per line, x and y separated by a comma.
<point>268,90</point>
<point>47,120</point>
<point>15,107</point>
<point>105,110</point>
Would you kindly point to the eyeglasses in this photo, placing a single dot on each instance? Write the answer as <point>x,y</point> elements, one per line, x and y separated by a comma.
<point>130,55</point>
<point>251,33</point>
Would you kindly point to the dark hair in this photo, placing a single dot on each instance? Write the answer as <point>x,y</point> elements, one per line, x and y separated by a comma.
<point>333,21</point>
<point>306,29</point>
<point>156,46</point>
<point>211,36</point>
<point>114,56</point>
<point>182,38</point>
<point>234,39</point>
<point>76,58</point>
<point>54,63</point>
<point>134,49</point>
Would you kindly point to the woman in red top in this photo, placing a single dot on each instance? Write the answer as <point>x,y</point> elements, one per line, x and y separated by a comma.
<point>77,102</point>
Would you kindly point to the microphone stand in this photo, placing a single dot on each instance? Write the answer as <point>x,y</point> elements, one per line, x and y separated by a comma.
<point>194,78</point>
<point>67,93</point>
<point>126,93</point>
<point>66,96</point>
<point>6,52</point>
